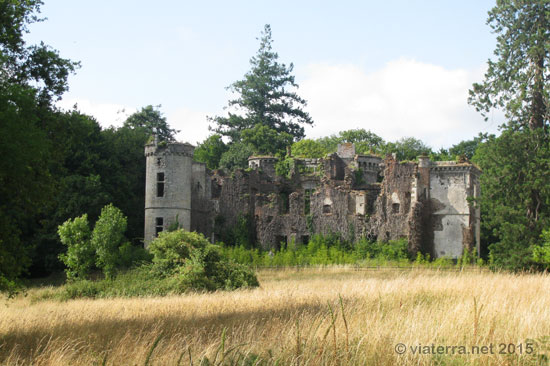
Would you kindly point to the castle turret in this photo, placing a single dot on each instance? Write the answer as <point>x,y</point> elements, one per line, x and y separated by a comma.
<point>167,187</point>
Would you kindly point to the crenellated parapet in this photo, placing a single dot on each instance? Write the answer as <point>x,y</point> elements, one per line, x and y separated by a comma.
<point>174,148</point>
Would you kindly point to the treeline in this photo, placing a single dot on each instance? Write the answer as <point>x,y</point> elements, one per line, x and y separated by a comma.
<point>217,154</point>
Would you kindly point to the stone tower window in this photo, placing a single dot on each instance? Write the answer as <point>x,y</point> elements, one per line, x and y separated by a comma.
<point>160,184</point>
<point>159,225</point>
<point>395,208</point>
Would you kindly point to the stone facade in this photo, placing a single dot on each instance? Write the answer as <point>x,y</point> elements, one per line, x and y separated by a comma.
<point>352,195</point>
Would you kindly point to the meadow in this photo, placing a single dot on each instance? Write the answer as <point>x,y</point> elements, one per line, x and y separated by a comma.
<point>310,316</point>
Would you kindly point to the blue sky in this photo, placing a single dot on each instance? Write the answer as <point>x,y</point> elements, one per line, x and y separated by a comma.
<point>398,68</point>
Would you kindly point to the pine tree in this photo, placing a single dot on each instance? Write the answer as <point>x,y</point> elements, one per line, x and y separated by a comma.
<point>265,97</point>
<point>515,199</point>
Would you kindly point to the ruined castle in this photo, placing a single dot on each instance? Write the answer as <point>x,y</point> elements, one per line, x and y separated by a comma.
<point>428,203</point>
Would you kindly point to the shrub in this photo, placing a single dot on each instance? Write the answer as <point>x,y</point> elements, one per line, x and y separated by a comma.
<point>171,249</point>
<point>196,264</point>
<point>80,256</point>
<point>107,237</point>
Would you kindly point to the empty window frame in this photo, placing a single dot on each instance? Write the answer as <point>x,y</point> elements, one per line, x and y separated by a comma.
<point>159,225</point>
<point>284,203</point>
<point>160,184</point>
<point>395,208</point>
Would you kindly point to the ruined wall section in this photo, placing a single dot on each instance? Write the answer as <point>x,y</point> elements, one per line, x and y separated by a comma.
<point>392,211</point>
<point>202,205</point>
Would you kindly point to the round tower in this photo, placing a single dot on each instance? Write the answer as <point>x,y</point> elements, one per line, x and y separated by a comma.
<point>168,181</point>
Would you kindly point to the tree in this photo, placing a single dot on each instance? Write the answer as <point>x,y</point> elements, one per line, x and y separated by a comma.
<point>517,80</point>
<point>265,140</point>
<point>515,195</point>
<point>30,78</point>
<point>107,237</point>
<point>236,156</point>
<point>80,256</point>
<point>210,151</point>
<point>36,65</point>
<point>407,148</point>
<point>151,120</point>
<point>365,141</point>
<point>467,148</point>
<point>515,198</point>
<point>265,98</point>
<point>308,148</point>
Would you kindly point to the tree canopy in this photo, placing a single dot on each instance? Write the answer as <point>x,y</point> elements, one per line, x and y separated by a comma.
<point>517,81</point>
<point>150,120</point>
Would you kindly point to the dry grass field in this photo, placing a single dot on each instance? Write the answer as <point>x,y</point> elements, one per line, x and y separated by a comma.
<point>330,316</point>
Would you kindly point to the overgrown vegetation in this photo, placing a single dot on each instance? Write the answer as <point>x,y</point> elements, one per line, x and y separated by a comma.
<point>179,261</point>
<point>331,250</point>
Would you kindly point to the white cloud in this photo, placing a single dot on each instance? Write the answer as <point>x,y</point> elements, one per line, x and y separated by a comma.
<point>405,98</point>
<point>107,114</point>
<point>192,124</point>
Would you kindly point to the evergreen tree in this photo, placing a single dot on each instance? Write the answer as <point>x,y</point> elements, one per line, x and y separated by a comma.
<point>265,98</point>
<point>517,80</point>
<point>515,195</point>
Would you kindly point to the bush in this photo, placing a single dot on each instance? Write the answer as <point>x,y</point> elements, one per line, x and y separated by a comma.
<point>107,237</point>
<point>80,256</point>
<point>171,248</point>
<point>196,264</point>
<point>101,248</point>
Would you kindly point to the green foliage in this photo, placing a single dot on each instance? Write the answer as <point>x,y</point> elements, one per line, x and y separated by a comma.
<point>366,142</point>
<point>150,120</point>
<point>171,249</point>
<point>517,80</point>
<point>195,263</point>
<point>467,148</point>
<point>541,252</point>
<point>308,148</point>
<point>515,195</point>
<point>236,156</point>
<point>107,237</point>
<point>285,167</point>
<point>265,98</point>
<point>182,261</point>
<point>265,140</point>
<point>38,66</point>
<point>407,148</point>
<point>210,151</point>
<point>104,247</point>
<point>80,257</point>
<point>322,250</point>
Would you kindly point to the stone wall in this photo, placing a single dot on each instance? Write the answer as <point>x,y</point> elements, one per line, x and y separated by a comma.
<point>351,195</point>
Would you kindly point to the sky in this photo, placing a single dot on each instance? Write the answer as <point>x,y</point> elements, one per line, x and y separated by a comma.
<point>396,68</point>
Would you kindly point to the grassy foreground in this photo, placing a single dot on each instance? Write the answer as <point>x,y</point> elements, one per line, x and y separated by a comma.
<point>325,316</point>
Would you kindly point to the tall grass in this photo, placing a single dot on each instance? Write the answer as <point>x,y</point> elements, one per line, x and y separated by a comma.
<point>311,316</point>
